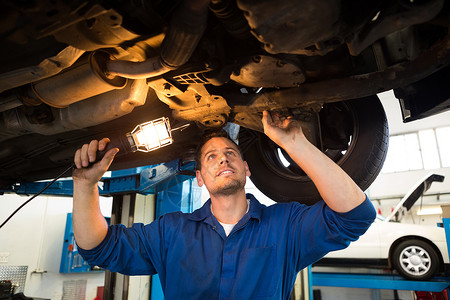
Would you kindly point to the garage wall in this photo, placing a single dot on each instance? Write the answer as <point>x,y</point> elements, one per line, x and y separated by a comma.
<point>34,238</point>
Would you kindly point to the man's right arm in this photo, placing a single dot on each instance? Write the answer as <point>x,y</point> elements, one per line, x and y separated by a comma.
<point>89,225</point>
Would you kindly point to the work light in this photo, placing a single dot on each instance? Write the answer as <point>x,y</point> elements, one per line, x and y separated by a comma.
<point>150,135</point>
<point>144,137</point>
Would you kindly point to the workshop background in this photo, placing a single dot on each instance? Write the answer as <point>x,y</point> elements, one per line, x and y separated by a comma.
<point>31,243</point>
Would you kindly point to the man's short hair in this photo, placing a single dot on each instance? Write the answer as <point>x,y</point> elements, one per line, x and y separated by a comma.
<point>209,134</point>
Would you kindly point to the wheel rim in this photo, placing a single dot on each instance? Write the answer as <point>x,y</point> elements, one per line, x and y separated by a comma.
<point>415,260</point>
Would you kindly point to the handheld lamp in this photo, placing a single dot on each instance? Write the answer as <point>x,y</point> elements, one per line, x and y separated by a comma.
<point>145,137</point>
<point>150,135</point>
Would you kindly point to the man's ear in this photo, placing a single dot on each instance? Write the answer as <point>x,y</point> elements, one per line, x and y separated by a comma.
<point>199,178</point>
<point>247,170</point>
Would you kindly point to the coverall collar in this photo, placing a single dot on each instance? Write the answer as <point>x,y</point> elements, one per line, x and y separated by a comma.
<point>204,213</point>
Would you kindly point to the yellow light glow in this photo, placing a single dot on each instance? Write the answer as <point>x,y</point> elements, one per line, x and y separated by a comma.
<point>140,138</point>
<point>152,135</point>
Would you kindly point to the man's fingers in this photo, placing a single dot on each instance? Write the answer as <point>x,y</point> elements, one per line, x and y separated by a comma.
<point>84,155</point>
<point>88,152</point>
<point>108,158</point>
<point>92,150</point>
<point>267,118</point>
<point>103,143</point>
<point>275,118</point>
<point>77,159</point>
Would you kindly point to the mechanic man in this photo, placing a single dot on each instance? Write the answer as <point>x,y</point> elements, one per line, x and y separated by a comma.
<point>233,247</point>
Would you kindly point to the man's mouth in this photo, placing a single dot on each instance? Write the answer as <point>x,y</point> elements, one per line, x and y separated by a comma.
<point>224,172</point>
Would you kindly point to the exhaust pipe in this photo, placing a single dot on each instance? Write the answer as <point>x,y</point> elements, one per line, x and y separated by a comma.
<point>79,83</point>
<point>96,110</point>
<point>185,31</point>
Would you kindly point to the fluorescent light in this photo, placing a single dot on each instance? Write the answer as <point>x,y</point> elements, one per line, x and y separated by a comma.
<point>429,211</point>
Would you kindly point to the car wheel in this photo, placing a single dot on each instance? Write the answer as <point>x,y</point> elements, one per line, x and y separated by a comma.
<point>416,260</point>
<point>354,134</point>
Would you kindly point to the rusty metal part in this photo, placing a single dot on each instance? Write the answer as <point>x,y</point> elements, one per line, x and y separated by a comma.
<point>93,111</point>
<point>81,82</point>
<point>192,102</point>
<point>96,28</point>
<point>217,120</point>
<point>267,71</point>
<point>168,93</point>
<point>10,101</point>
<point>136,70</point>
<point>185,30</point>
<point>334,90</point>
<point>417,14</point>
<point>292,26</point>
<point>231,17</point>
<point>48,67</point>
<point>210,111</point>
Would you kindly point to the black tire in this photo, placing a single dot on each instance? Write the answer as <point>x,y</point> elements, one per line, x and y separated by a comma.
<point>415,260</point>
<point>355,135</point>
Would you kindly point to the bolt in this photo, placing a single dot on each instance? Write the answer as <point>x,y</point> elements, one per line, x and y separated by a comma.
<point>281,63</point>
<point>256,59</point>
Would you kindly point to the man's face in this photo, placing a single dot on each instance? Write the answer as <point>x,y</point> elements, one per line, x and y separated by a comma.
<point>223,171</point>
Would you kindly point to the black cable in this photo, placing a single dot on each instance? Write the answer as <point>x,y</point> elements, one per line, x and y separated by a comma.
<point>40,192</point>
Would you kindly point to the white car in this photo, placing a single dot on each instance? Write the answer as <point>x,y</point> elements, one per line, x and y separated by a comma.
<point>417,252</point>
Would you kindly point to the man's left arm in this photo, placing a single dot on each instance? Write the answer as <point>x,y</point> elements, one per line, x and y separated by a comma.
<point>337,189</point>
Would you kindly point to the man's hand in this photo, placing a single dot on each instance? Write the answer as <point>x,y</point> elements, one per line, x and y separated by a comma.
<point>281,130</point>
<point>336,188</point>
<point>87,155</point>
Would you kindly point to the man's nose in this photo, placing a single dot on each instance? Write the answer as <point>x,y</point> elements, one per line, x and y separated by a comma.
<point>223,159</point>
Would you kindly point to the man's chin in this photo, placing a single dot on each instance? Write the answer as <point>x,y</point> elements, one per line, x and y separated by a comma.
<point>230,189</point>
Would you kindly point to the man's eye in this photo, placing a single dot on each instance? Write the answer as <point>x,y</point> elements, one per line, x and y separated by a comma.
<point>230,153</point>
<point>212,156</point>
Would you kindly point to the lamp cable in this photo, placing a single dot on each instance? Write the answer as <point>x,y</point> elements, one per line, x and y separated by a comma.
<point>38,193</point>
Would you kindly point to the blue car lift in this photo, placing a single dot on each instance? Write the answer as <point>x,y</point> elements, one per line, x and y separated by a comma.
<point>382,281</point>
<point>143,180</point>
<point>171,182</point>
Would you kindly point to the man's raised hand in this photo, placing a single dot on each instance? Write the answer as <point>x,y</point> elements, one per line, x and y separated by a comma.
<point>86,155</point>
<point>281,129</point>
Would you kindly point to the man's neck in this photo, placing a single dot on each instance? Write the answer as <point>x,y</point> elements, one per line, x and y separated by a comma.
<point>229,209</point>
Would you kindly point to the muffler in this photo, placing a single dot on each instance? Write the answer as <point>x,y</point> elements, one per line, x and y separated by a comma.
<point>81,82</point>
